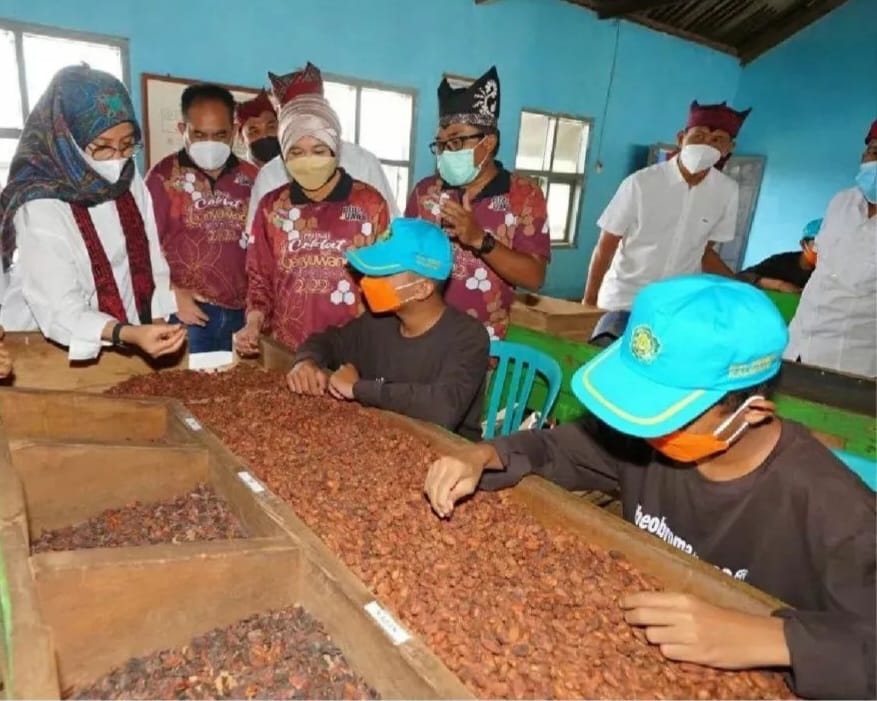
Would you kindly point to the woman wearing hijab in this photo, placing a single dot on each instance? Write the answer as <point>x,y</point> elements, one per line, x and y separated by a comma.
<point>298,280</point>
<point>78,233</point>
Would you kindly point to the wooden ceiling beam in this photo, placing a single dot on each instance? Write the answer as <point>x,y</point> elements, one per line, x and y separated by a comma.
<point>608,9</point>
<point>783,27</point>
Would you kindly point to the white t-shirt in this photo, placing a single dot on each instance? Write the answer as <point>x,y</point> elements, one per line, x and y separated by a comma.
<point>359,163</point>
<point>665,227</point>
<point>51,286</point>
<point>835,326</point>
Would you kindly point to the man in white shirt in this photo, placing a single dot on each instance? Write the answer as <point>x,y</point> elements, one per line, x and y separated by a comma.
<point>835,326</point>
<point>665,219</point>
<point>361,164</point>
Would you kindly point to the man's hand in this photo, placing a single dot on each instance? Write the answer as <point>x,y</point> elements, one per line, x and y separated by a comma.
<point>452,479</point>
<point>246,341</point>
<point>342,380</point>
<point>688,629</point>
<point>5,357</point>
<point>155,339</point>
<point>462,223</point>
<point>188,310</point>
<point>306,377</point>
<point>769,283</point>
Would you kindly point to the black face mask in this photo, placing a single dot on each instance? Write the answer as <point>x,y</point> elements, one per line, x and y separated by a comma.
<point>265,149</point>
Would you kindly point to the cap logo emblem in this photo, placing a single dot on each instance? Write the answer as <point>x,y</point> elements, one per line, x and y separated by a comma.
<point>643,344</point>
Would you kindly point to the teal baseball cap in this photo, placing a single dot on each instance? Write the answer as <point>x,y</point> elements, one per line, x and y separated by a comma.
<point>689,341</point>
<point>811,229</point>
<point>413,245</point>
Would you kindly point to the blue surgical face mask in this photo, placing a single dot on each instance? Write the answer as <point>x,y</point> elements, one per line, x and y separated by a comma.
<point>867,181</point>
<point>458,168</point>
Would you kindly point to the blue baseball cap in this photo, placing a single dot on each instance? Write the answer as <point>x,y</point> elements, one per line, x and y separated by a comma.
<point>413,245</point>
<point>689,341</point>
<point>811,229</point>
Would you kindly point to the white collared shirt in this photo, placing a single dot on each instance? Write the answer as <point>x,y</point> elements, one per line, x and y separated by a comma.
<point>835,326</point>
<point>51,285</point>
<point>359,163</point>
<point>665,226</point>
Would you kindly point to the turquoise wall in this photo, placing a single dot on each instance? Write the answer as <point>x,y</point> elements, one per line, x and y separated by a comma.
<point>814,97</point>
<point>551,55</point>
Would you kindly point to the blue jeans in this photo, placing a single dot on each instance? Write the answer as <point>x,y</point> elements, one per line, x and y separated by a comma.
<point>609,328</point>
<point>216,335</point>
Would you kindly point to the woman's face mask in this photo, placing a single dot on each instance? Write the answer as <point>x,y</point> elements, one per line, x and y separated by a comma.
<point>867,181</point>
<point>683,446</point>
<point>311,171</point>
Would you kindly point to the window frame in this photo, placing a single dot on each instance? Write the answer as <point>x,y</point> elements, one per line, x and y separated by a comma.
<point>19,29</point>
<point>413,93</point>
<point>576,181</point>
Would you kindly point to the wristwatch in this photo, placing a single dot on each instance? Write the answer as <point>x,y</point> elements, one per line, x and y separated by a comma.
<point>488,243</point>
<point>117,335</point>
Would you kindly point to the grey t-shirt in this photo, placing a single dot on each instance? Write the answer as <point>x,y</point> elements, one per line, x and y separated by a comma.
<point>438,376</point>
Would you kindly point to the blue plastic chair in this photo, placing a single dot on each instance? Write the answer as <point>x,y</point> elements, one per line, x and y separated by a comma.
<point>525,362</point>
<point>863,467</point>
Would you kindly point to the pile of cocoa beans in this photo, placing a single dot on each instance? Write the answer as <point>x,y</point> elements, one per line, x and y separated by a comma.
<point>513,608</point>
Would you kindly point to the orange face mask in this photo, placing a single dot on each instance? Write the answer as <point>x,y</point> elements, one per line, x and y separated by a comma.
<point>683,446</point>
<point>381,295</point>
<point>810,256</point>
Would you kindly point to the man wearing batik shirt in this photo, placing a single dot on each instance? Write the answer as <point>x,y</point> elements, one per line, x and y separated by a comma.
<point>200,196</point>
<point>298,278</point>
<point>496,219</point>
<point>256,122</point>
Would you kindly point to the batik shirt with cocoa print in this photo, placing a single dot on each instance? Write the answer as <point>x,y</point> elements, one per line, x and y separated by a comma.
<point>510,207</point>
<point>201,223</point>
<point>298,275</point>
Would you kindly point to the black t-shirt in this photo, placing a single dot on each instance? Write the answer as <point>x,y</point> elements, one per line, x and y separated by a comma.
<point>782,266</point>
<point>438,376</point>
<point>800,527</point>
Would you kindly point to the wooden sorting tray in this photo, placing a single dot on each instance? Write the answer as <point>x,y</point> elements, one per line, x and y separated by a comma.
<point>70,617</point>
<point>558,317</point>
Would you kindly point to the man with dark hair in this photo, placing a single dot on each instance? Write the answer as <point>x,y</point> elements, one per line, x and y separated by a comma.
<point>200,196</point>
<point>410,353</point>
<point>497,220</point>
<point>726,481</point>
<point>786,272</point>
<point>256,122</point>
<point>665,220</point>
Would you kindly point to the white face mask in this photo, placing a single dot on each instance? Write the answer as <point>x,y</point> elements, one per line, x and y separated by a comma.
<point>110,170</point>
<point>208,155</point>
<point>698,157</point>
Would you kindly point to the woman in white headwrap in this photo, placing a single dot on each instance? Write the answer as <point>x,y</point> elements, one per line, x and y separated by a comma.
<point>298,280</point>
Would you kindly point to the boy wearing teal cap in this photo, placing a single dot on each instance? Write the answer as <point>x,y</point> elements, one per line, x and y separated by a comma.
<point>787,272</point>
<point>410,353</point>
<point>727,482</point>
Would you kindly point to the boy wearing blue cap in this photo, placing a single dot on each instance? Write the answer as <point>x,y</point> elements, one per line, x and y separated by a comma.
<point>410,353</point>
<point>726,482</point>
<point>787,272</point>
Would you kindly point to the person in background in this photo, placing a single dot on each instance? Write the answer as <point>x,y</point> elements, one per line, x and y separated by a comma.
<point>664,220</point>
<point>497,219</point>
<point>200,195</point>
<point>726,481</point>
<point>256,122</point>
<point>5,357</point>
<point>786,272</point>
<point>359,163</point>
<point>835,325</point>
<point>298,281</point>
<point>78,228</point>
<point>411,353</point>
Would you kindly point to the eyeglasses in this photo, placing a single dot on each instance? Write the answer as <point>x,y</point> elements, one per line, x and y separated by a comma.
<point>455,143</point>
<point>107,153</point>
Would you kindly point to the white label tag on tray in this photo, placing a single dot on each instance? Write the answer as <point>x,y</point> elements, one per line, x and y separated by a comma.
<point>251,482</point>
<point>192,423</point>
<point>396,633</point>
